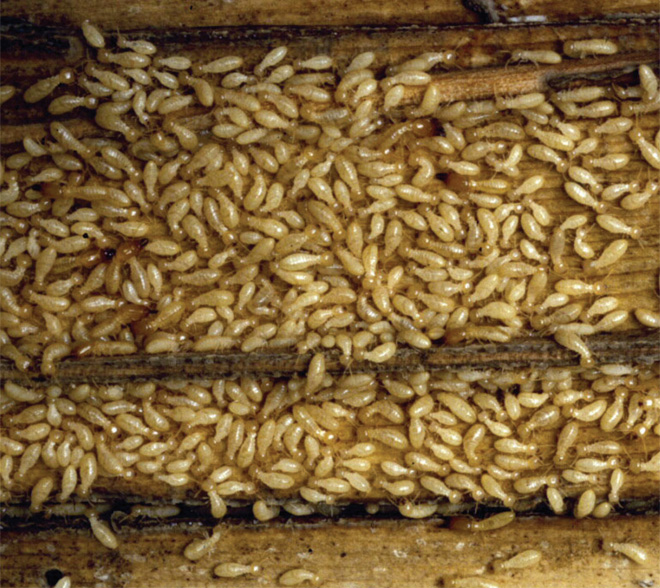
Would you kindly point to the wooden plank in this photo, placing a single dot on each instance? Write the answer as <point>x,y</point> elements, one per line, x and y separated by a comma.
<point>123,14</point>
<point>195,13</point>
<point>346,553</point>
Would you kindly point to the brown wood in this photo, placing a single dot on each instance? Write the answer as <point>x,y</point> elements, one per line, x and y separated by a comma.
<point>515,10</point>
<point>127,14</point>
<point>355,553</point>
<point>365,551</point>
<point>531,352</point>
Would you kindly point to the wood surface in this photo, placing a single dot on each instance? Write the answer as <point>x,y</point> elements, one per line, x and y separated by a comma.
<point>364,551</point>
<point>348,553</point>
<point>127,14</point>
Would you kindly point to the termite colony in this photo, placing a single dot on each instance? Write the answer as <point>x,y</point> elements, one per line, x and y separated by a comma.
<point>296,204</point>
<point>416,439</point>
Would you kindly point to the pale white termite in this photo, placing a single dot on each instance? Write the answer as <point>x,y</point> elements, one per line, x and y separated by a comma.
<point>637,200</point>
<point>610,255</point>
<point>298,576</point>
<point>494,522</point>
<point>602,510</point>
<point>545,153</point>
<point>234,570</point>
<point>494,489</point>
<point>613,224</point>
<point>417,511</point>
<point>611,161</point>
<point>524,559</point>
<point>198,548</point>
<point>533,484</point>
<point>539,56</point>
<point>45,86</point>
<point>264,512</point>
<point>648,81</point>
<point>585,47</point>
<point>630,550</point>
<point>648,317</point>
<point>652,465</point>
<point>101,531</point>
<point>6,92</point>
<point>585,504</point>
<point>616,483</point>
<point>614,126</point>
<point>583,176</point>
<point>649,151</point>
<point>63,582</point>
<point>556,500</point>
<point>582,196</point>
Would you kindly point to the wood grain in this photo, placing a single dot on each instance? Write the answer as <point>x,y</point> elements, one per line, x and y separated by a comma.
<point>360,552</point>
<point>355,553</point>
<point>126,14</point>
<point>532,352</point>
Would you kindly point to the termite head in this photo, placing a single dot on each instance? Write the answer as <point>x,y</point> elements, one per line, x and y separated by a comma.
<point>455,336</point>
<point>52,190</point>
<point>130,249</point>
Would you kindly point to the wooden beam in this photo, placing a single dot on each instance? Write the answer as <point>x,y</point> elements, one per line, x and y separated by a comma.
<point>125,14</point>
<point>359,553</point>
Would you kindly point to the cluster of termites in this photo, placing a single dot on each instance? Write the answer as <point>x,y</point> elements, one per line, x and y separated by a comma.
<point>416,439</point>
<point>297,203</point>
<point>294,203</point>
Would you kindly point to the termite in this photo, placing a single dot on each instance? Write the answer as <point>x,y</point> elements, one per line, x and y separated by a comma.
<point>586,47</point>
<point>200,547</point>
<point>524,559</point>
<point>234,570</point>
<point>630,550</point>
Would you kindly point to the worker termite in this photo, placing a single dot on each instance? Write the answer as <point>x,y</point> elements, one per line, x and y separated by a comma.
<point>524,559</point>
<point>586,47</point>
<point>556,500</point>
<point>101,531</point>
<point>417,511</point>
<point>610,162</point>
<point>198,548</point>
<point>44,87</point>
<point>546,57</point>
<point>616,483</point>
<point>652,465</point>
<point>613,224</point>
<point>298,576</point>
<point>494,489</point>
<point>234,570</point>
<point>585,504</point>
<point>630,550</point>
<point>492,523</point>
